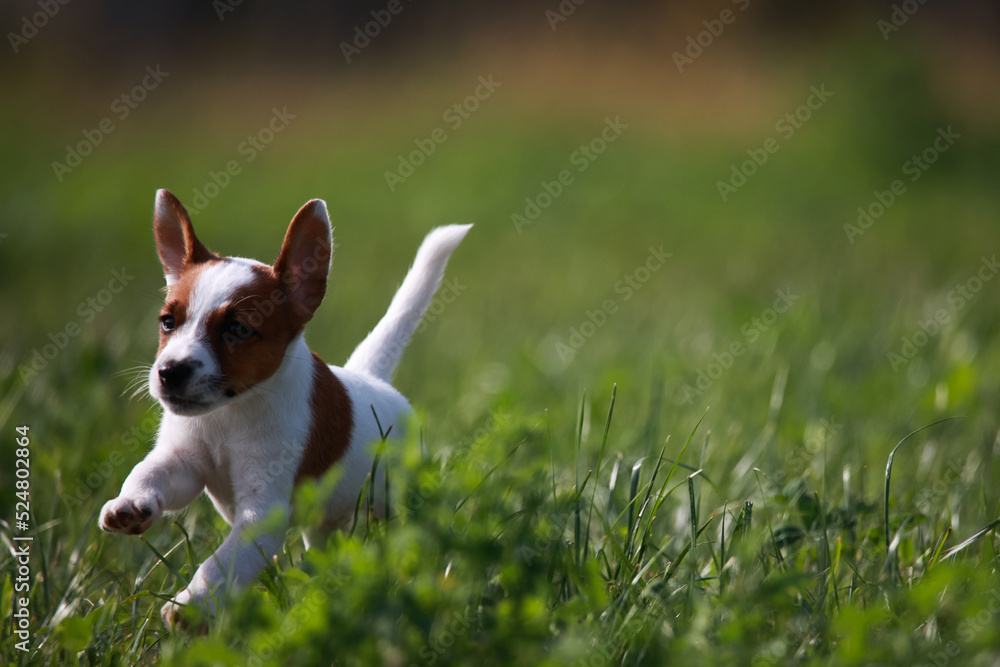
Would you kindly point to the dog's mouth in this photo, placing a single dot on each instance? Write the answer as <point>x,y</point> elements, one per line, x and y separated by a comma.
<point>187,406</point>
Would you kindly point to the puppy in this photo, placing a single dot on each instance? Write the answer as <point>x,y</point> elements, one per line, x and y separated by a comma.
<point>249,410</point>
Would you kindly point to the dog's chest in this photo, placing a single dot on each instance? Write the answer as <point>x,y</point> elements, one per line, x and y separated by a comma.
<point>249,456</point>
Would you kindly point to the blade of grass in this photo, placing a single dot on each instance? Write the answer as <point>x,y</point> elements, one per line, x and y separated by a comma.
<point>692,469</point>
<point>954,551</point>
<point>663,495</point>
<point>940,546</point>
<point>633,529</point>
<point>600,460</point>
<point>720,564</point>
<point>767,516</point>
<point>579,446</point>
<point>156,552</point>
<point>633,490</point>
<point>827,558</point>
<point>188,547</point>
<point>490,472</point>
<point>357,506</point>
<point>684,552</point>
<point>645,568</point>
<point>372,477</point>
<point>552,461</point>
<point>888,478</point>
<point>694,529</point>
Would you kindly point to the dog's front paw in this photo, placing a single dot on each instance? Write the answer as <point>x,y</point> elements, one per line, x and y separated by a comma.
<point>173,611</point>
<point>124,515</point>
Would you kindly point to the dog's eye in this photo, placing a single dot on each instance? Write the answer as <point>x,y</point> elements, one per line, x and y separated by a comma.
<point>239,330</point>
<point>167,324</point>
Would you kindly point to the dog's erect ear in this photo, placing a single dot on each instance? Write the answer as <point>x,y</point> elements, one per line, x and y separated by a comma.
<point>176,243</point>
<point>304,260</point>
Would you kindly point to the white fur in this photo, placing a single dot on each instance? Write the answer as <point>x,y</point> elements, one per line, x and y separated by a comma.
<point>245,451</point>
<point>379,353</point>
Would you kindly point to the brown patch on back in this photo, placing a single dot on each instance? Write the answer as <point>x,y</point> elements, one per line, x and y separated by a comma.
<point>332,423</point>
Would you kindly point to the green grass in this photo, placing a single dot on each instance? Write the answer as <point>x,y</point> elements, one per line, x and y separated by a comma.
<point>595,511</point>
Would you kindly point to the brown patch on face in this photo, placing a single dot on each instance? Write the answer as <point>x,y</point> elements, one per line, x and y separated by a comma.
<point>333,422</point>
<point>179,296</point>
<point>251,333</point>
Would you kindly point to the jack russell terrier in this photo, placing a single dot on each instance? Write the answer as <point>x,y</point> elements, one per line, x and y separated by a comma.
<point>249,410</point>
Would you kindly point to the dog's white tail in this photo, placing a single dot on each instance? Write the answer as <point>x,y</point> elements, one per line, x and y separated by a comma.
<point>379,353</point>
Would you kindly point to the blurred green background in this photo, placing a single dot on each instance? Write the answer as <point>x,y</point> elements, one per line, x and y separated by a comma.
<point>526,291</point>
<point>656,185</point>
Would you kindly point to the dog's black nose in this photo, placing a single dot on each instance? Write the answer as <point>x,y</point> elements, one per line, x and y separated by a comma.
<point>173,375</point>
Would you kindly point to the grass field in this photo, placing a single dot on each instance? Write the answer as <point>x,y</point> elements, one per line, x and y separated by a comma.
<point>615,381</point>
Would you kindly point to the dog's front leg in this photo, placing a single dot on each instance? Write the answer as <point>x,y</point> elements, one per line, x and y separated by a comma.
<point>169,478</point>
<point>257,535</point>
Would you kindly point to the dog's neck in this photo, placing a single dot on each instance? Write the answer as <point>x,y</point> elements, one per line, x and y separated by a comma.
<point>289,384</point>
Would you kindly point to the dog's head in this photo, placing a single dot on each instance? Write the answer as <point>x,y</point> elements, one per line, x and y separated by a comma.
<point>227,321</point>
